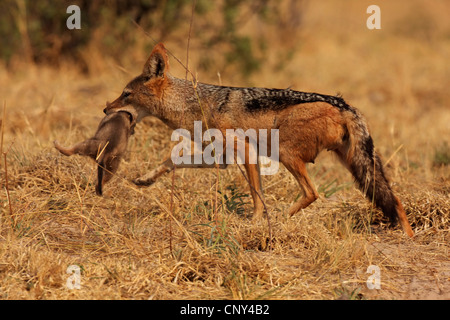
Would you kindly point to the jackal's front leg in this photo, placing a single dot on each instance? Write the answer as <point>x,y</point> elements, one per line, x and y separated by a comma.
<point>166,167</point>
<point>152,176</point>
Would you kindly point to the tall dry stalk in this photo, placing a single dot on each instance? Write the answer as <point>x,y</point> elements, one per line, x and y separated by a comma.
<point>13,218</point>
<point>20,16</point>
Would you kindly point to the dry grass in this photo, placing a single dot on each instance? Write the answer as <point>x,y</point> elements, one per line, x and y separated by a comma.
<point>129,245</point>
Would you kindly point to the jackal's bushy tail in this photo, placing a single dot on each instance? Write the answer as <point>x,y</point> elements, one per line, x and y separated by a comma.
<point>366,167</point>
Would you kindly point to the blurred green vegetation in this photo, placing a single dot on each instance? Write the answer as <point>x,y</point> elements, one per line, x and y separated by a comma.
<point>35,31</point>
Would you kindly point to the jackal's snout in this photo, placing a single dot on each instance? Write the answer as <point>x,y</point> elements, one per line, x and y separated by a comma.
<point>119,105</point>
<point>112,107</point>
<point>108,108</point>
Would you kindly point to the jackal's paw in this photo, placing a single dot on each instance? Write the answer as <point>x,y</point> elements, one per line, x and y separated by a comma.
<point>258,218</point>
<point>143,182</point>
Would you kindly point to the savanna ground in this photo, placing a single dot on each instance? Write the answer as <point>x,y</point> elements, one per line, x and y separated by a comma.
<point>190,236</point>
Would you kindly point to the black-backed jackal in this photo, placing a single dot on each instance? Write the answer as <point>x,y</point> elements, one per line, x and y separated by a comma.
<point>307,122</point>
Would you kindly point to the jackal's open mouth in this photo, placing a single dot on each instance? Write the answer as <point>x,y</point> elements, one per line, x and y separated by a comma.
<point>129,115</point>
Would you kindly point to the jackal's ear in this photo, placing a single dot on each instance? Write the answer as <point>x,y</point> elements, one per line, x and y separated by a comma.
<point>158,62</point>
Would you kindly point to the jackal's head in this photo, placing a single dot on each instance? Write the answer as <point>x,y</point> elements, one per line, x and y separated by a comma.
<point>144,93</point>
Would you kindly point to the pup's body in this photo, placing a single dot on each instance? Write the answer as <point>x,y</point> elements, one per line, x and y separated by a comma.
<point>106,147</point>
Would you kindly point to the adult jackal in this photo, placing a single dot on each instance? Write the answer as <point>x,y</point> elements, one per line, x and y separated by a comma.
<point>307,122</point>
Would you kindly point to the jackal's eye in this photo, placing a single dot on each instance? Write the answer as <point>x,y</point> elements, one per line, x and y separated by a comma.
<point>126,94</point>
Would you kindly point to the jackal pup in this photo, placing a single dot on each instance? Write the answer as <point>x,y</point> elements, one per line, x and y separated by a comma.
<point>106,147</point>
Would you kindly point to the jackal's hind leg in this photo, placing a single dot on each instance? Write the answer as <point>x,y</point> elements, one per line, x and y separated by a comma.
<point>298,170</point>
<point>254,178</point>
